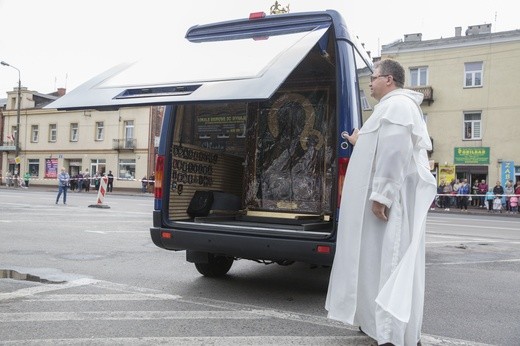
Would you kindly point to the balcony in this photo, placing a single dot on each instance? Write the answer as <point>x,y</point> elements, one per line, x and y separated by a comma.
<point>7,146</point>
<point>427,91</point>
<point>124,144</point>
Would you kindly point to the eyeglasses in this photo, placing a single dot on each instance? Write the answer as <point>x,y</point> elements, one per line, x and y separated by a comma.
<point>373,78</point>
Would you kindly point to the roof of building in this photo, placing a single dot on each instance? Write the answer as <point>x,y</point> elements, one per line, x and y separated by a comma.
<point>456,41</point>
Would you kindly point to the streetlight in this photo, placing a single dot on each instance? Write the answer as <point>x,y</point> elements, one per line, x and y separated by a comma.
<point>17,138</point>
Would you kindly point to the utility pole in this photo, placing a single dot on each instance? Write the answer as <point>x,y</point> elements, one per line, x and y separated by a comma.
<point>17,138</point>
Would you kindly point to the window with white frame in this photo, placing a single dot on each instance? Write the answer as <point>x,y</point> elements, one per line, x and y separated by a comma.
<point>14,133</point>
<point>74,132</point>
<point>129,129</point>
<point>100,130</point>
<point>34,133</point>
<point>34,167</point>
<point>473,74</point>
<point>472,126</point>
<point>126,169</point>
<point>129,134</point>
<point>53,132</point>
<point>364,102</point>
<point>419,76</point>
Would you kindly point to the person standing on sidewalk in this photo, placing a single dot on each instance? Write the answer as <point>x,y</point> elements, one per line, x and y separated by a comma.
<point>63,185</point>
<point>482,190</point>
<point>509,190</point>
<point>110,184</point>
<point>475,200</point>
<point>86,181</point>
<point>448,192</point>
<point>458,199</point>
<point>26,178</point>
<point>489,200</point>
<point>377,277</point>
<point>498,190</point>
<point>464,195</point>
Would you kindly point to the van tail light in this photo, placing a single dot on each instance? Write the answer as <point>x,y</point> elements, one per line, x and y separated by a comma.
<point>342,171</point>
<point>158,184</point>
<point>323,249</point>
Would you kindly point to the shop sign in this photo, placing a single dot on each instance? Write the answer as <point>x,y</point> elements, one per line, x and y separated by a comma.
<point>446,173</point>
<point>508,171</point>
<point>51,168</point>
<point>471,156</point>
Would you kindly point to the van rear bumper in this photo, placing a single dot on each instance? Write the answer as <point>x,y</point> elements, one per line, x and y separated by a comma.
<point>245,245</point>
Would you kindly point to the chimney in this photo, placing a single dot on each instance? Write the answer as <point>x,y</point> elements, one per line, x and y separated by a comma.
<point>478,29</point>
<point>413,37</point>
<point>458,31</point>
<point>61,92</point>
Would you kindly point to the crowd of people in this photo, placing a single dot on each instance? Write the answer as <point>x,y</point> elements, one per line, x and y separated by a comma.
<point>458,194</point>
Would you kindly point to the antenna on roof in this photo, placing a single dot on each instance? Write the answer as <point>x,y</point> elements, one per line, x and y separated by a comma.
<point>66,77</point>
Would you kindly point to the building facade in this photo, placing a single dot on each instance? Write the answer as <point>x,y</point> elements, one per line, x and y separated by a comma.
<point>86,141</point>
<point>471,102</point>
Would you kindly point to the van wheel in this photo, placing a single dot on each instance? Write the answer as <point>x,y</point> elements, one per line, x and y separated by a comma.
<point>215,267</point>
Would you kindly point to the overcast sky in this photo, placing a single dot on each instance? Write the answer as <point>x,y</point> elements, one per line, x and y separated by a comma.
<point>63,43</point>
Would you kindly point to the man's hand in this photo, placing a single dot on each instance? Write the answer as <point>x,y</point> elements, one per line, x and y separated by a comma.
<point>351,138</point>
<point>380,210</point>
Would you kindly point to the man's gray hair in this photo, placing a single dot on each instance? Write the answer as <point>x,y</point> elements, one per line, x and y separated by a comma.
<point>393,68</point>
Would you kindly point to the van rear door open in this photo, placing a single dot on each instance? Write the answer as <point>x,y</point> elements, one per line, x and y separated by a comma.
<point>251,160</point>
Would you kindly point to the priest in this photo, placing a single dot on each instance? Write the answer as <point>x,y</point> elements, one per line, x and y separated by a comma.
<point>377,278</point>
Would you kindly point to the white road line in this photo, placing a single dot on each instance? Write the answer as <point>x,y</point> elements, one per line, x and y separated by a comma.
<point>125,315</point>
<point>354,340</point>
<point>227,310</point>
<point>198,341</point>
<point>472,226</point>
<point>113,232</point>
<point>472,241</point>
<point>101,297</point>
<point>31,291</point>
<point>513,260</point>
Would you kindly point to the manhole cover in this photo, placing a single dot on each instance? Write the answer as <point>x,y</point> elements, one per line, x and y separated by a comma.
<point>13,274</point>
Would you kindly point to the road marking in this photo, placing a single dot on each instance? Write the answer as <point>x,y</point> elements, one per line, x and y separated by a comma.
<point>214,341</point>
<point>512,260</point>
<point>126,315</point>
<point>472,241</point>
<point>31,291</point>
<point>102,297</point>
<point>427,340</point>
<point>472,226</point>
<point>225,310</point>
<point>109,232</point>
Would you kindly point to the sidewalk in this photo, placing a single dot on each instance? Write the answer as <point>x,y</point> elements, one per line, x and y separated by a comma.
<point>473,211</point>
<point>93,192</point>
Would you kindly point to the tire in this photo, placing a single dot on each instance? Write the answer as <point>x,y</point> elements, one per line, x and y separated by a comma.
<point>215,267</point>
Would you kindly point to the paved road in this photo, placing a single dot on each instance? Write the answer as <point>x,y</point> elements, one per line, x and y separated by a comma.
<point>118,288</point>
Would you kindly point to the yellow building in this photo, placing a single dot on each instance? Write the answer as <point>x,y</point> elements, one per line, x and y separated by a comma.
<point>472,103</point>
<point>121,141</point>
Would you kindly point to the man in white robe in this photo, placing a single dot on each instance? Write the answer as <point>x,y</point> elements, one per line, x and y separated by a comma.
<point>377,279</point>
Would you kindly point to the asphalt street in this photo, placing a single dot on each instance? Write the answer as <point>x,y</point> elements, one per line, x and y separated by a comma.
<point>98,279</point>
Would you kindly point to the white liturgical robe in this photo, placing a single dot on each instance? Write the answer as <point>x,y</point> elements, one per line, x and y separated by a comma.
<point>377,278</point>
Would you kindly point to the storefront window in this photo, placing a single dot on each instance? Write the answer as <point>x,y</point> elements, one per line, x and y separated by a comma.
<point>126,169</point>
<point>34,167</point>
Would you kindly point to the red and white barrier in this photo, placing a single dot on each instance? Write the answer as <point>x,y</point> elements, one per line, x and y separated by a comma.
<point>101,193</point>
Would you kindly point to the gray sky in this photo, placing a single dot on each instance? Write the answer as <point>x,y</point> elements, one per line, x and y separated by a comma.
<point>63,43</point>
